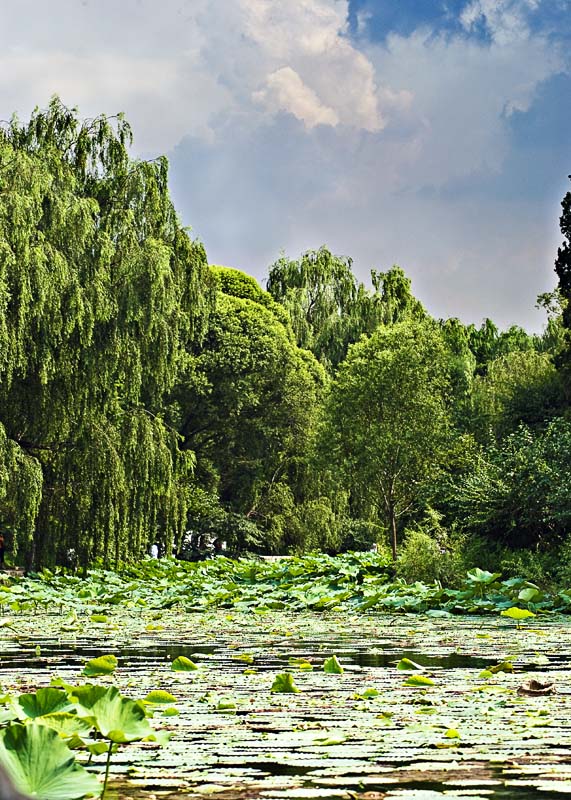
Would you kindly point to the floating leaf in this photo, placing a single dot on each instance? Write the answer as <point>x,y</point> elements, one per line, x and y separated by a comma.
<point>226,704</point>
<point>503,666</point>
<point>99,618</point>
<point>41,766</point>
<point>368,694</point>
<point>183,664</point>
<point>517,613</point>
<point>407,665</point>
<point>103,665</point>
<point>159,697</point>
<point>418,681</point>
<point>284,683</point>
<point>333,666</point>
<point>247,658</point>
<point>452,733</point>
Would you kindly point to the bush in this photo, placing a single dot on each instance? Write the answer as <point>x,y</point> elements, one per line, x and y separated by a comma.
<point>429,554</point>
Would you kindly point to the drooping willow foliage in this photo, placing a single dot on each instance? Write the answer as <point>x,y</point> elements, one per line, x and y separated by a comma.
<point>102,294</point>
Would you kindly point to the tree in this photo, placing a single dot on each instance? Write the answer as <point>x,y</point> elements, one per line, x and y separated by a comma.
<point>516,492</point>
<point>329,309</point>
<point>563,270</point>
<point>387,418</point>
<point>100,292</point>
<point>520,387</point>
<point>248,405</point>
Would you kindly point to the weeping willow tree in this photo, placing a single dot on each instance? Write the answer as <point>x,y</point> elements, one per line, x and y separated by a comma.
<point>101,293</point>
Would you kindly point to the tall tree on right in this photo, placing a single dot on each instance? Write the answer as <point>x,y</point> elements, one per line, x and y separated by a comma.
<point>563,270</point>
<point>386,423</point>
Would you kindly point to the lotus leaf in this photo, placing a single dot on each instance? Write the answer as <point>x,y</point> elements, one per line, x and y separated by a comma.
<point>183,664</point>
<point>333,666</point>
<point>103,665</point>
<point>41,766</point>
<point>117,718</point>
<point>45,701</point>
<point>284,684</point>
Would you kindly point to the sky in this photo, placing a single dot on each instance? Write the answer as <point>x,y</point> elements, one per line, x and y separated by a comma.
<point>433,134</point>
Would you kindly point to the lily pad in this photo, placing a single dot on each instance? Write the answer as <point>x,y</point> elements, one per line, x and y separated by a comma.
<point>333,666</point>
<point>103,665</point>
<point>183,664</point>
<point>284,684</point>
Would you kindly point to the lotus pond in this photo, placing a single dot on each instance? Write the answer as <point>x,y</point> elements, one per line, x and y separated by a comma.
<point>192,696</point>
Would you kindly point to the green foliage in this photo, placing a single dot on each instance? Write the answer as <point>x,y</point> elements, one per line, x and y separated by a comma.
<point>516,492</point>
<point>387,419</point>
<point>100,290</point>
<point>329,309</point>
<point>183,664</point>
<point>332,666</point>
<point>522,387</point>
<point>40,765</point>
<point>235,283</point>
<point>429,554</point>
<point>248,411</point>
<point>103,665</point>
<point>563,270</point>
<point>284,684</point>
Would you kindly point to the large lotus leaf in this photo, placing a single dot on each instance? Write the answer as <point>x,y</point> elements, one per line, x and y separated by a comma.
<point>41,766</point>
<point>517,613</point>
<point>66,724</point>
<point>482,576</point>
<point>103,665</point>
<point>117,718</point>
<point>44,701</point>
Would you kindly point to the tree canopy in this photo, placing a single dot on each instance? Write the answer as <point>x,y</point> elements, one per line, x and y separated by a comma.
<point>100,290</point>
<point>387,417</point>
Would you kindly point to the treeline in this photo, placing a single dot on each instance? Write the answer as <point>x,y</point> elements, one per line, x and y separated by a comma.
<point>144,392</point>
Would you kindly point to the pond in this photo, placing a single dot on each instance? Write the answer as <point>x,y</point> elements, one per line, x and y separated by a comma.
<point>364,732</point>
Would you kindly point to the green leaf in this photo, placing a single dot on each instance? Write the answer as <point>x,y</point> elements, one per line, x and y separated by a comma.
<point>66,724</point>
<point>418,680</point>
<point>503,666</point>
<point>529,594</point>
<point>104,665</point>
<point>41,766</point>
<point>183,664</point>
<point>482,576</point>
<point>159,696</point>
<point>407,665</point>
<point>452,733</point>
<point>333,666</point>
<point>284,683</point>
<point>226,704</point>
<point>117,718</point>
<point>517,613</point>
<point>44,701</point>
<point>99,618</point>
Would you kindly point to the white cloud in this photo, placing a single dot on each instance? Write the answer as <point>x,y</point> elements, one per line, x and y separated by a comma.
<point>285,91</point>
<point>299,134</point>
<point>505,20</point>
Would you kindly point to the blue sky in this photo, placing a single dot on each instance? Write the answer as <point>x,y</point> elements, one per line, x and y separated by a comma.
<point>432,134</point>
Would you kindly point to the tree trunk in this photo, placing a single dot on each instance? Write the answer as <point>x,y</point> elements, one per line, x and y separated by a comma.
<point>393,530</point>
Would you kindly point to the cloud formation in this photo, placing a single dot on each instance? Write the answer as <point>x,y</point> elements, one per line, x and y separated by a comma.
<point>287,128</point>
